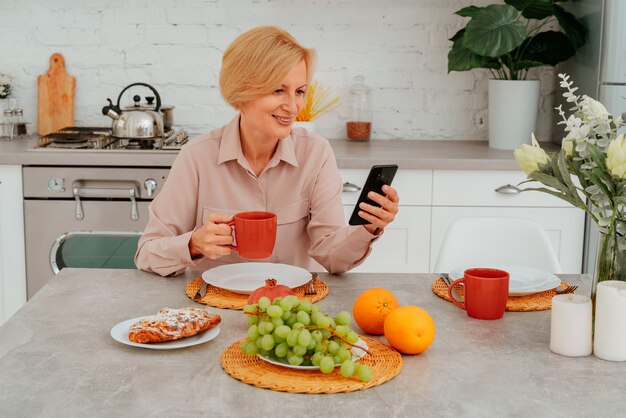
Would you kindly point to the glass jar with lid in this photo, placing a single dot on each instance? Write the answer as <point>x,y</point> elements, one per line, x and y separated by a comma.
<point>19,124</point>
<point>359,124</point>
<point>6,128</point>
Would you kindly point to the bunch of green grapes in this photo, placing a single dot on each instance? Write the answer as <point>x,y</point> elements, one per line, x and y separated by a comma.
<point>294,331</point>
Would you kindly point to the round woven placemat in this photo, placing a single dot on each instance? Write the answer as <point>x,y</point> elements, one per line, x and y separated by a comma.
<point>384,361</point>
<point>533,302</point>
<point>225,299</point>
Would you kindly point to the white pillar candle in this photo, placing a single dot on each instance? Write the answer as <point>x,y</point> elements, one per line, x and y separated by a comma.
<point>609,340</point>
<point>570,325</point>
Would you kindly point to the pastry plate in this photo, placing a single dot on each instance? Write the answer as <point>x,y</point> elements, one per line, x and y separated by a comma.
<point>356,354</point>
<point>120,333</point>
<point>244,278</point>
<point>522,280</point>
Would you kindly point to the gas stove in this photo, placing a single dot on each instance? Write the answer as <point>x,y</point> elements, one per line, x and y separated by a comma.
<point>94,139</point>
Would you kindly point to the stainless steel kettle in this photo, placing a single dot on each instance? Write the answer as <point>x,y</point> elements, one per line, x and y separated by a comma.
<point>166,110</point>
<point>137,122</point>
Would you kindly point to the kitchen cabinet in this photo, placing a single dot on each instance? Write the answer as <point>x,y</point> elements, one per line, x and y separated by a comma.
<point>12,263</point>
<point>462,193</point>
<point>430,200</point>
<point>404,247</point>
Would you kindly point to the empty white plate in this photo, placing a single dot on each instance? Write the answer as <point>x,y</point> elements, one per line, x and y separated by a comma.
<point>244,278</point>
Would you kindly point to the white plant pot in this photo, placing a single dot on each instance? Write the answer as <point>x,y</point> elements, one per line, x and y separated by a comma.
<point>309,126</point>
<point>513,108</point>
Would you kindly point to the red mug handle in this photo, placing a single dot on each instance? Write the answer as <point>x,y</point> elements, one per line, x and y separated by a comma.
<point>452,298</point>
<point>232,247</point>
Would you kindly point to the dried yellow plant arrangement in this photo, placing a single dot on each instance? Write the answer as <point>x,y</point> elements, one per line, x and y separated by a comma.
<point>316,103</point>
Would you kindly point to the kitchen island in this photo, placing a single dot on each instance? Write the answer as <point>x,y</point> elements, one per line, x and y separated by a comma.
<point>57,358</point>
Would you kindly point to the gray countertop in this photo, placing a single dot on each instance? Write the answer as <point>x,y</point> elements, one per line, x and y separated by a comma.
<point>58,359</point>
<point>408,154</point>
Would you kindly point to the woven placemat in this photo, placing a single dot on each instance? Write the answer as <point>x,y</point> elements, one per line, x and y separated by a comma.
<point>384,361</point>
<point>533,302</point>
<point>225,299</point>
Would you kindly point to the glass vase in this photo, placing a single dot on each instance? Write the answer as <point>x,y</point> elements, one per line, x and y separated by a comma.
<point>610,260</point>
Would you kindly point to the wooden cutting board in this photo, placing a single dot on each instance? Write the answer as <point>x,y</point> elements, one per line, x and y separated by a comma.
<point>56,97</point>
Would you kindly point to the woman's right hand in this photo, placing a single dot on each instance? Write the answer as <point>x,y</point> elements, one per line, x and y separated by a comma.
<point>213,239</point>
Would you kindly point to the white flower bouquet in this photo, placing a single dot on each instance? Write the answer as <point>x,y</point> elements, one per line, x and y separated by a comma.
<point>595,154</point>
<point>5,86</point>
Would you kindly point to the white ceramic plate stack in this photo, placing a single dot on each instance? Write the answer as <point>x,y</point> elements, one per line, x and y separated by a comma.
<point>244,278</point>
<point>522,280</point>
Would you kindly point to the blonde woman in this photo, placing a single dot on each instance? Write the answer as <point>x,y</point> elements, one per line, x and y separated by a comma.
<point>256,162</point>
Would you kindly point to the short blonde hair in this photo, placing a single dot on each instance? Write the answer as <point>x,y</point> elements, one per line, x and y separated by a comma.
<point>258,61</point>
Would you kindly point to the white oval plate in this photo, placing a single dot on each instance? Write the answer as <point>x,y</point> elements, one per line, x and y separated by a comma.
<point>245,278</point>
<point>356,354</point>
<point>522,280</point>
<point>120,334</point>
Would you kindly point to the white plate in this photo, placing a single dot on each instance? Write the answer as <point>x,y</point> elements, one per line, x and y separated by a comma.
<point>245,278</point>
<point>120,333</point>
<point>356,354</point>
<point>522,280</point>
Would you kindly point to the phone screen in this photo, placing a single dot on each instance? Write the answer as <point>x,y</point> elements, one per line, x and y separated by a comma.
<point>378,176</point>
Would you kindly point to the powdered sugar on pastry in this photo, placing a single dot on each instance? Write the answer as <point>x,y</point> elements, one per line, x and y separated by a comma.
<point>172,324</point>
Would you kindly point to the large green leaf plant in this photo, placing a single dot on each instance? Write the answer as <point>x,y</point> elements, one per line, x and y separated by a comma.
<point>509,39</point>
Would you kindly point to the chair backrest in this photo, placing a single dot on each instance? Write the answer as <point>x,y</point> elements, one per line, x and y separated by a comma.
<point>480,241</point>
<point>94,249</point>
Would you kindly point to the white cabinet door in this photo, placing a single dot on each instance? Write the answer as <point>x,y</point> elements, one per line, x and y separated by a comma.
<point>462,193</point>
<point>565,227</point>
<point>404,247</point>
<point>12,261</point>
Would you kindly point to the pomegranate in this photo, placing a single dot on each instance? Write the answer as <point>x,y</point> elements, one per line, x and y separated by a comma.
<point>271,290</point>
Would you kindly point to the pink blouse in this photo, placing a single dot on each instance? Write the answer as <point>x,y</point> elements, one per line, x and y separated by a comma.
<point>301,184</point>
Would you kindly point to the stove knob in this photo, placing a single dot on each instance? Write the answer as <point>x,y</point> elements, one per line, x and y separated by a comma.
<point>56,184</point>
<point>150,186</point>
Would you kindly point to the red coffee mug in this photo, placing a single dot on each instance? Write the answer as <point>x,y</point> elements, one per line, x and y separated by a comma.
<point>255,234</point>
<point>486,292</point>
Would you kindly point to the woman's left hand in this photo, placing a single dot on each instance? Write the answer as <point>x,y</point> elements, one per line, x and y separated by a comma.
<point>380,217</point>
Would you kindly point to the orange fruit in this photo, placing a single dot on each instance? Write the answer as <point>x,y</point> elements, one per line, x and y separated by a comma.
<point>409,329</point>
<point>371,307</point>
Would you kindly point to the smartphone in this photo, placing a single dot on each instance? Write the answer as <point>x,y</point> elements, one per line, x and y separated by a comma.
<point>379,176</point>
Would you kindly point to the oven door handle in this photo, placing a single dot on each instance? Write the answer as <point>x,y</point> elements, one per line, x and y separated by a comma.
<point>107,193</point>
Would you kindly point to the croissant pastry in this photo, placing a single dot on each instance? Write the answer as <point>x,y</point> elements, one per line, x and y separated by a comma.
<point>172,324</point>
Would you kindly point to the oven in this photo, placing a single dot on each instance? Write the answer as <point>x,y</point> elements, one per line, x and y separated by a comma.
<point>84,216</point>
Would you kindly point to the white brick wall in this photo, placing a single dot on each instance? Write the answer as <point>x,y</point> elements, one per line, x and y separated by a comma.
<point>400,46</point>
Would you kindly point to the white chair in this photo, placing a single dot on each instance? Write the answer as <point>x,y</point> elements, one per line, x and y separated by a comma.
<point>481,241</point>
